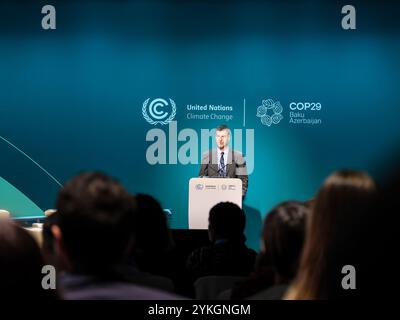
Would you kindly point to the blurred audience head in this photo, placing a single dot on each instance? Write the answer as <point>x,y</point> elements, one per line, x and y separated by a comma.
<point>48,238</point>
<point>226,222</point>
<point>283,236</point>
<point>338,234</point>
<point>384,247</point>
<point>94,223</point>
<point>4,214</point>
<point>152,233</point>
<point>21,264</point>
<point>48,244</point>
<point>49,212</point>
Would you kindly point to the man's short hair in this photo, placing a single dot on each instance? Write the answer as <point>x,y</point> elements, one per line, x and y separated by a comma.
<point>222,127</point>
<point>95,215</point>
<point>227,221</point>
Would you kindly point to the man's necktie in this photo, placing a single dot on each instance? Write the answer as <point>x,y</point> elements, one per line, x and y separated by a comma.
<point>222,165</point>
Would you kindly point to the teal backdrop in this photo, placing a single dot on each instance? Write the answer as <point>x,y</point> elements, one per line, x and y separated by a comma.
<point>71,99</point>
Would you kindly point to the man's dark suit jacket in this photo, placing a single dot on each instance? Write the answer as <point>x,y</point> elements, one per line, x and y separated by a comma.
<point>235,167</point>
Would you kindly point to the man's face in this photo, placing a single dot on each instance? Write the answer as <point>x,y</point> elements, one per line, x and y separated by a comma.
<point>222,138</point>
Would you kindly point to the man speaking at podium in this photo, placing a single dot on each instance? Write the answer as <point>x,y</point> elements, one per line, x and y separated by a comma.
<point>223,162</point>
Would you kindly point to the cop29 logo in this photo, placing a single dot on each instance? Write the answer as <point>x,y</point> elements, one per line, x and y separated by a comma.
<point>270,112</point>
<point>159,111</point>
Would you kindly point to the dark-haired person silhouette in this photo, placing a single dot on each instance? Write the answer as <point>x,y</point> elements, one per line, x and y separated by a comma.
<point>228,254</point>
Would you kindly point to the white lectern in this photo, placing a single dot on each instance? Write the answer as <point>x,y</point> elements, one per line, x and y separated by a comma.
<point>204,193</point>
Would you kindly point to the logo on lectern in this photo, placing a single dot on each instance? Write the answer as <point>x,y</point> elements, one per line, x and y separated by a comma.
<point>199,186</point>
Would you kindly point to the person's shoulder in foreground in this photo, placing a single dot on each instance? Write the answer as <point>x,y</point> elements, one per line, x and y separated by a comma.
<point>84,287</point>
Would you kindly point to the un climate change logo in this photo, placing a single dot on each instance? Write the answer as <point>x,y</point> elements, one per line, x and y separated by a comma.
<point>270,112</point>
<point>159,111</point>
